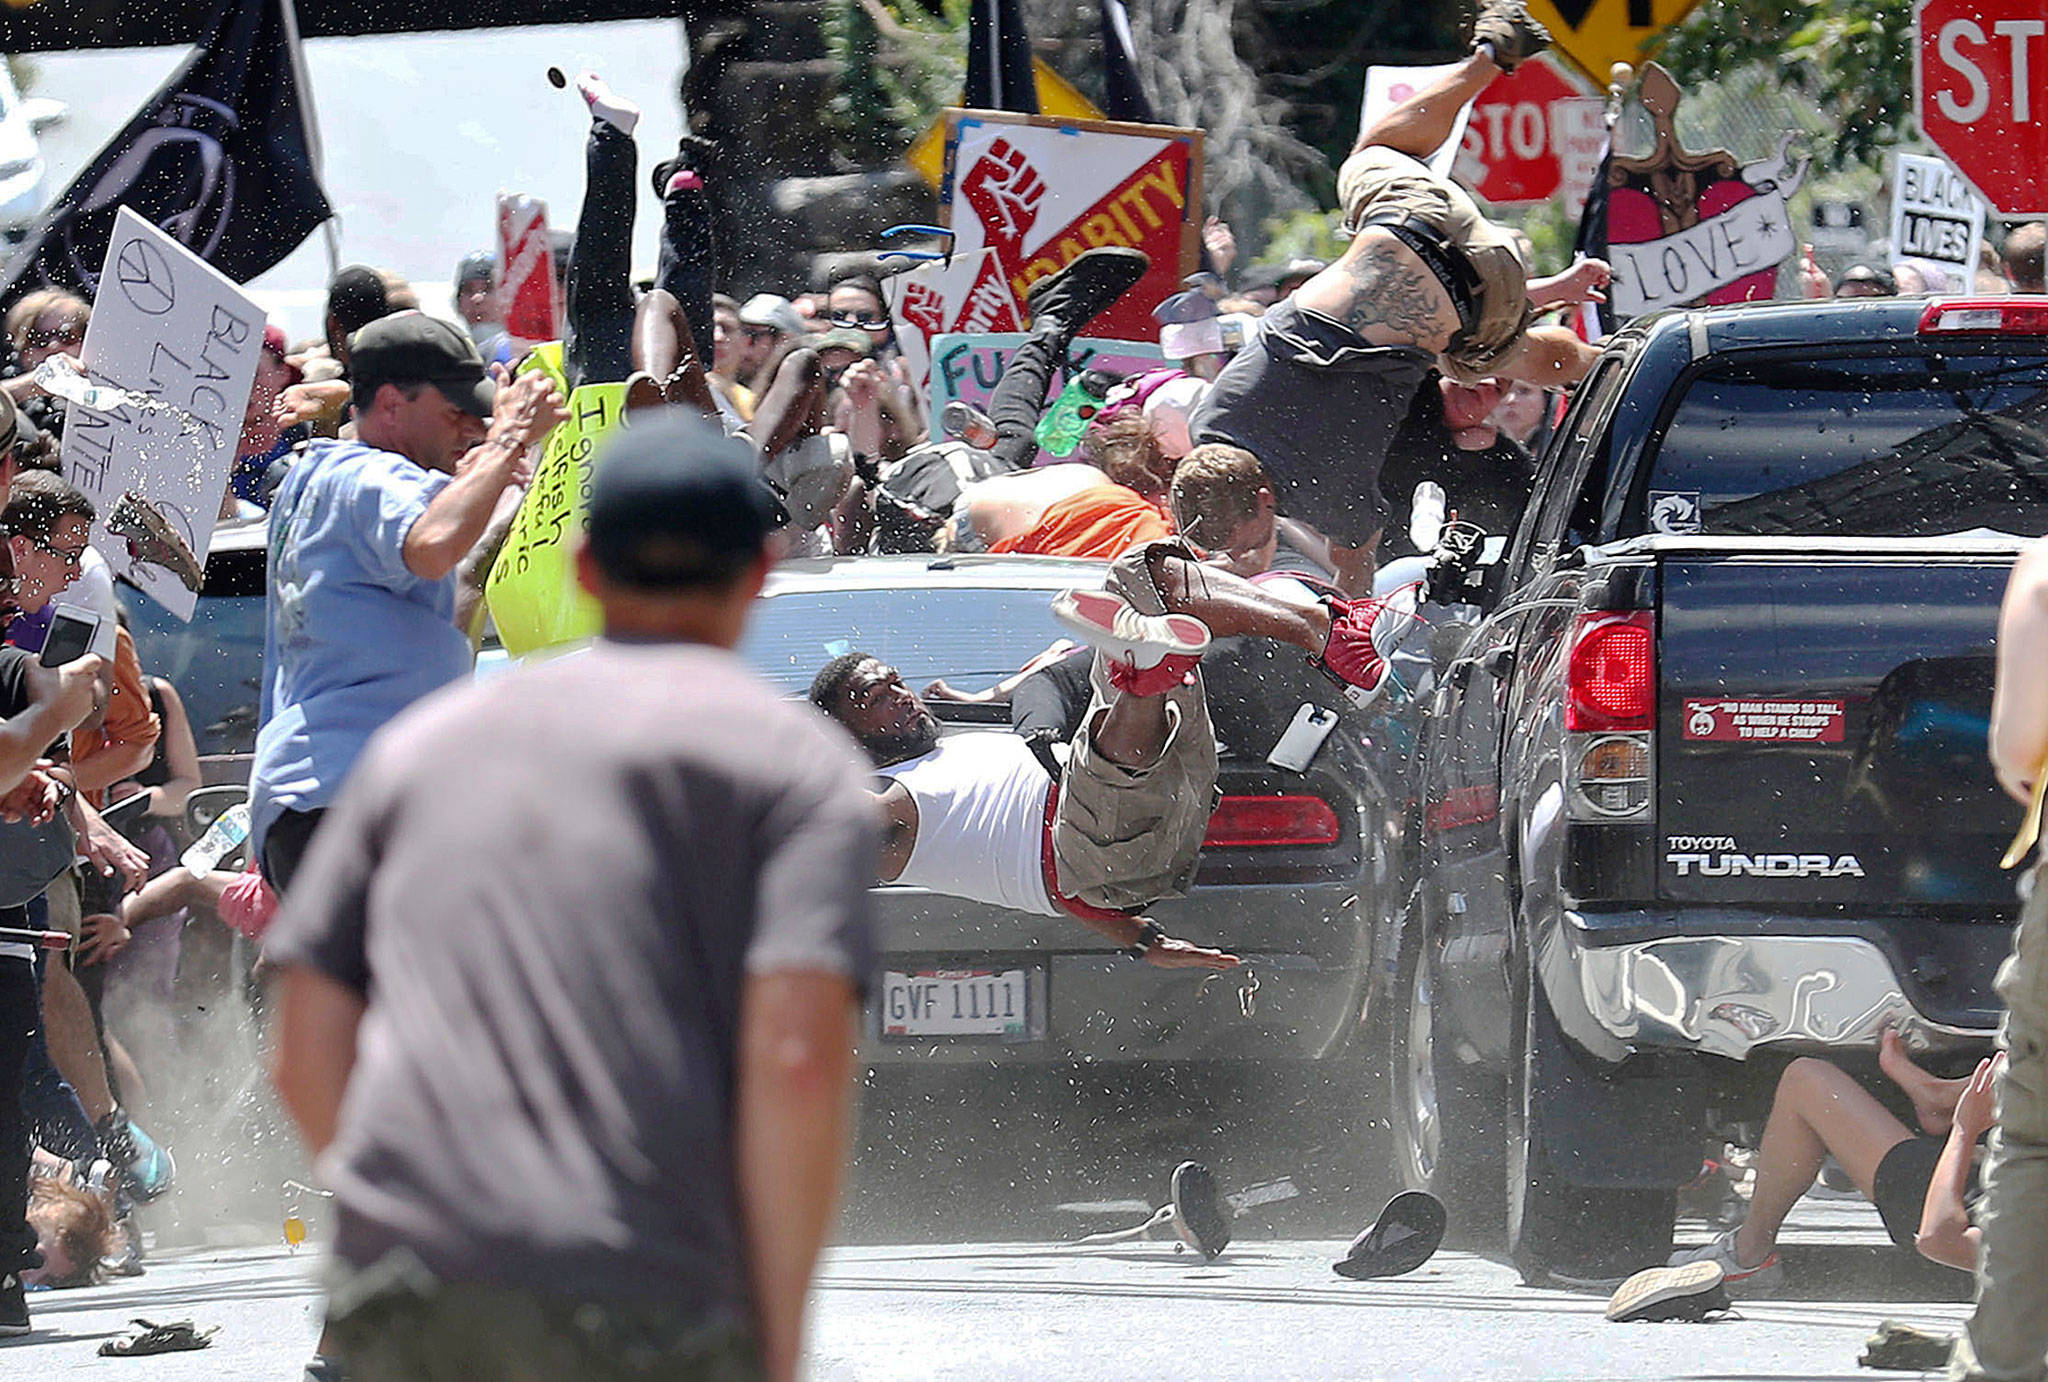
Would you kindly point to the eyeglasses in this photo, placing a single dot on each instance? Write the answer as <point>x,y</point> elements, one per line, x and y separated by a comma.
<point>860,321</point>
<point>70,556</point>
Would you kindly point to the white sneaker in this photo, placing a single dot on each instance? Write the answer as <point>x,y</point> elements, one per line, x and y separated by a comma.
<point>1106,622</point>
<point>1762,1279</point>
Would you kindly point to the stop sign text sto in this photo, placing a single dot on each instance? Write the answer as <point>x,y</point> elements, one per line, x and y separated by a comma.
<point>1980,86</point>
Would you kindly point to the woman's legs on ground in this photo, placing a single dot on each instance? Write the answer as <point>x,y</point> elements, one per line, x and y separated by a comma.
<point>1819,1110</point>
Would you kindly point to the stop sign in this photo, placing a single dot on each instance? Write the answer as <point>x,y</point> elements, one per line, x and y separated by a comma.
<point>1980,84</point>
<point>1531,133</point>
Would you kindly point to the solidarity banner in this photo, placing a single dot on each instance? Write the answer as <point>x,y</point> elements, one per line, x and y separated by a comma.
<point>937,298</point>
<point>1937,221</point>
<point>180,341</point>
<point>968,366</point>
<point>1037,191</point>
<point>532,591</point>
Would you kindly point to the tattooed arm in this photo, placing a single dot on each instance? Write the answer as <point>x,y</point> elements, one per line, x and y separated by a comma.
<point>1381,290</point>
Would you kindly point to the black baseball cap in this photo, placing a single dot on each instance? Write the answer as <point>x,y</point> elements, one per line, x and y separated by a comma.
<point>414,348</point>
<point>677,503</point>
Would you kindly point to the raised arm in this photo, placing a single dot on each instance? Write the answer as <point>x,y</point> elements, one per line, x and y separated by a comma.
<point>2019,700</point>
<point>1946,1234</point>
<point>455,520</point>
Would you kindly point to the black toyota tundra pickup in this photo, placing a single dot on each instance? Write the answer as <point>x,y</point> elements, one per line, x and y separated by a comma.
<point>1701,782</point>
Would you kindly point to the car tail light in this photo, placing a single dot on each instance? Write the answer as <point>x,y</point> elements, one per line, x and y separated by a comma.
<point>1240,822</point>
<point>1985,317</point>
<point>1611,673</point>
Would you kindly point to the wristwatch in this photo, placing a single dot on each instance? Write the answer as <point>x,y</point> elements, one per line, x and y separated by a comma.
<point>1151,935</point>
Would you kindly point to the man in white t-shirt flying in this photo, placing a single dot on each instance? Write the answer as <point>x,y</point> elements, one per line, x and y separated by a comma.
<point>977,814</point>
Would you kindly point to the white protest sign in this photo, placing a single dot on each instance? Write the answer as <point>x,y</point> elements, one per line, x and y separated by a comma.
<point>965,293</point>
<point>1937,221</point>
<point>169,326</point>
<point>1387,87</point>
<point>966,366</point>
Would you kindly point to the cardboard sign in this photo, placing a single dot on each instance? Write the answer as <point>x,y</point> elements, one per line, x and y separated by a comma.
<point>167,325</point>
<point>1688,228</point>
<point>938,298</point>
<point>1039,190</point>
<point>533,309</point>
<point>1724,721</point>
<point>532,591</point>
<point>1937,221</point>
<point>968,366</point>
<point>1387,87</point>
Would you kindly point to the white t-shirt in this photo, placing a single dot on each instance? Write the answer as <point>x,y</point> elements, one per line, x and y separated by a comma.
<point>980,820</point>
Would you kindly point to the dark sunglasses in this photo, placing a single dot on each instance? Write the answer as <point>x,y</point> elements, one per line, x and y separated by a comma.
<point>859,321</point>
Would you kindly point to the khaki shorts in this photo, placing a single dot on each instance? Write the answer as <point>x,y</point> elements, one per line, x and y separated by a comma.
<point>1124,838</point>
<point>1378,181</point>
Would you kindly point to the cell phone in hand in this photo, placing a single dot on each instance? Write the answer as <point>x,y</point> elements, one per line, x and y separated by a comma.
<point>72,628</point>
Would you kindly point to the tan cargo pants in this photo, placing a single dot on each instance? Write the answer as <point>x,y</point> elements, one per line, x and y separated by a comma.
<point>2007,1336</point>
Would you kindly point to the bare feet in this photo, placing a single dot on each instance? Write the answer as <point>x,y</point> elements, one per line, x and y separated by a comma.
<point>1934,1099</point>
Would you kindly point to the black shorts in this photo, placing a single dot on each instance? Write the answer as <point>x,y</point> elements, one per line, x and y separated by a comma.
<point>1899,1189</point>
<point>1319,406</point>
<point>285,845</point>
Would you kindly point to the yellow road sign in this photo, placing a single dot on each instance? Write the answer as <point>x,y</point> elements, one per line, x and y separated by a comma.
<point>1596,34</point>
<point>1056,96</point>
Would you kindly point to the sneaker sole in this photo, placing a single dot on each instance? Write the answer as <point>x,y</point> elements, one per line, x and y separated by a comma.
<point>1199,1209</point>
<point>1662,1293</point>
<point>1091,616</point>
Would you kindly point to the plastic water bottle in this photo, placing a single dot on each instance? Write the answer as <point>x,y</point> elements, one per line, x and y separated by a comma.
<point>1060,429</point>
<point>221,839</point>
<point>1426,516</point>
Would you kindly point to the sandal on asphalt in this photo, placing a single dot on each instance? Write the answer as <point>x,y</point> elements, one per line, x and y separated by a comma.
<point>149,1338</point>
<point>1198,1213</point>
<point>1406,1235</point>
<point>1690,1292</point>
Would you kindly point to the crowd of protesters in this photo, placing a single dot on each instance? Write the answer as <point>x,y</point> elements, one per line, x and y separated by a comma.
<point>389,456</point>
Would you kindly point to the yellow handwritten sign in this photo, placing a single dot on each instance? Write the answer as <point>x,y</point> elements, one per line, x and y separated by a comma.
<point>532,590</point>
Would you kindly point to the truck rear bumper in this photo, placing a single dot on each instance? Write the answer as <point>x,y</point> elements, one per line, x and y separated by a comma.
<point>1729,994</point>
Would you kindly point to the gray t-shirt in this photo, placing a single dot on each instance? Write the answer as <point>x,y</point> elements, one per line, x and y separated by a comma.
<point>550,888</point>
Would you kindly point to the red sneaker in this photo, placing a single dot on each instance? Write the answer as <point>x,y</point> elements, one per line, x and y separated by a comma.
<point>1167,674</point>
<point>1360,633</point>
<point>1107,623</point>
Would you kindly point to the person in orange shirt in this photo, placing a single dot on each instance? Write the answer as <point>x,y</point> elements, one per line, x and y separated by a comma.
<point>1127,510</point>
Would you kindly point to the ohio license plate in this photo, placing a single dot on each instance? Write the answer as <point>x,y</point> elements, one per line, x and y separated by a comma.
<point>957,1003</point>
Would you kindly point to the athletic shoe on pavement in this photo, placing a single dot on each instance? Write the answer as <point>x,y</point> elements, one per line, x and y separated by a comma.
<point>1107,623</point>
<point>1198,1213</point>
<point>1506,27</point>
<point>607,105</point>
<point>1406,1235</point>
<point>1089,283</point>
<point>1767,1276</point>
<point>13,1305</point>
<point>1691,1292</point>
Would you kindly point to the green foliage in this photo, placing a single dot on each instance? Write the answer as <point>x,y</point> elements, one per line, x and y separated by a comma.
<point>1852,58</point>
<point>898,67</point>
<point>1303,235</point>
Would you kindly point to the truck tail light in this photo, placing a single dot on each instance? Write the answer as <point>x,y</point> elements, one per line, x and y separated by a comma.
<point>1610,713</point>
<point>1985,317</point>
<point>1611,673</point>
<point>1241,822</point>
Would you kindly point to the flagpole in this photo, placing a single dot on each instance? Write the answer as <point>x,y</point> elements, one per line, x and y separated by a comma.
<point>330,229</point>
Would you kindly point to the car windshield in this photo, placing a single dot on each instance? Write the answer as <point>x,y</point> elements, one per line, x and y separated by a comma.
<point>972,636</point>
<point>1901,446</point>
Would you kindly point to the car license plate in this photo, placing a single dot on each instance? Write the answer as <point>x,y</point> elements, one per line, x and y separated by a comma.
<point>989,1003</point>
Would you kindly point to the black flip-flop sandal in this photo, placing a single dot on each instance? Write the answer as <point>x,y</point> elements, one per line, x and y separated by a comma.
<point>1199,1216</point>
<point>150,1338</point>
<point>1406,1235</point>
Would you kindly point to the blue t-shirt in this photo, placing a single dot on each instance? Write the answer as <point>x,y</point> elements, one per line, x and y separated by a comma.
<point>351,636</point>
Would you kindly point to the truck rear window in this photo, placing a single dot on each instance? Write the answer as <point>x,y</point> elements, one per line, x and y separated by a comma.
<point>1899,446</point>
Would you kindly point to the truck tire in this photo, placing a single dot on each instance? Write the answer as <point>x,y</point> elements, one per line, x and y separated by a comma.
<point>1557,1229</point>
<point>1446,1117</point>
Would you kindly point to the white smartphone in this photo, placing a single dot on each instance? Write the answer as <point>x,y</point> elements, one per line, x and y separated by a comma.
<point>1297,746</point>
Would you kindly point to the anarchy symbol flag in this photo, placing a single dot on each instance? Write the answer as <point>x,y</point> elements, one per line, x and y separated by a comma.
<point>222,159</point>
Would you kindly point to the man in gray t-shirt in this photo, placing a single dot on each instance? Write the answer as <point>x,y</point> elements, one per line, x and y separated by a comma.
<point>583,947</point>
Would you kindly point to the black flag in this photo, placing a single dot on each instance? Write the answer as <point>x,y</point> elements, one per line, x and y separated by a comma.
<point>221,159</point>
<point>1595,320</point>
<point>1123,95</point>
<point>999,73</point>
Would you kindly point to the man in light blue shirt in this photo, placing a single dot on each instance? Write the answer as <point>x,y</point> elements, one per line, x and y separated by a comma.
<point>365,540</point>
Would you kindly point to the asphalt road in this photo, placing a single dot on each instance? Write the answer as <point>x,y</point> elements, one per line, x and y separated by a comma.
<point>1270,1308</point>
